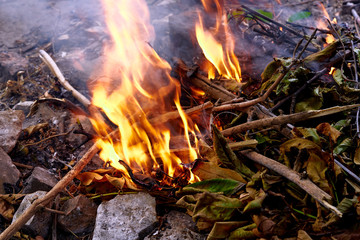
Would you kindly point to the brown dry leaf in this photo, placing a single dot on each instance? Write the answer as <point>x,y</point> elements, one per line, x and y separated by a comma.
<point>6,209</point>
<point>87,178</point>
<point>265,225</point>
<point>302,235</point>
<point>115,181</point>
<point>209,170</point>
<point>328,130</point>
<point>357,155</point>
<point>316,169</point>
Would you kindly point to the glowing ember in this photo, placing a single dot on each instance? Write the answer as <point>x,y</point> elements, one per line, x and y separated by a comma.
<point>221,55</point>
<point>136,88</point>
<point>332,69</point>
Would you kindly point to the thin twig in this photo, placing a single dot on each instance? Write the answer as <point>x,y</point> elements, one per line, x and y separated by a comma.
<point>56,71</point>
<point>307,185</point>
<point>282,119</point>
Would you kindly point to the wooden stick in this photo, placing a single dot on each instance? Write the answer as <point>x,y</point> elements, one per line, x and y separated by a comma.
<point>290,118</point>
<point>307,185</point>
<point>56,71</point>
<point>42,202</point>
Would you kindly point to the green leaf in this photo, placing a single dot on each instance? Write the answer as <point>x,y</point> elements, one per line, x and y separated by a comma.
<point>227,156</point>
<point>307,133</point>
<point>243,233</point>
<point>345,144</point>
<point>342,124</point>
<point>311,103</point>
<point>256,203</point>
<point>299,16</point>
<point>344,206</point>
<point>210,207</point>
<point>337,75</point>
<point>265,13</point>
<point>222,230</point>
<point>226,186</point>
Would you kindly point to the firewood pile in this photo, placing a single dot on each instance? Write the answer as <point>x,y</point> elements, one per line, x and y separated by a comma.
<point>240,120</point>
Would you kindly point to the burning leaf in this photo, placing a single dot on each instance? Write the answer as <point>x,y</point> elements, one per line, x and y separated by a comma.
<point>222,230</point>
<point>210,207</point>
<point>227,156</point>
<point>327,130</point>
<point>299,16</point>
<point>115,181</point>
<point>225,186</point>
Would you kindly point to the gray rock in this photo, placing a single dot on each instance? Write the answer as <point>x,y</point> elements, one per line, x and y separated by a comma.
<point>10,128</point>
<point>23,106</point>
<point>10,64</point>
<point>181,227</point>
<point>39,180</point>
<point>82,211</point>
<point>8,172</point>
<point>124,217</point>
<point>40,223</point>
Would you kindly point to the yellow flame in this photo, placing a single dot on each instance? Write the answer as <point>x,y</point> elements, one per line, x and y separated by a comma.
<point>332,69</point>
<point>137,86</point>
<point>221,55</point>
<point>322,24</point>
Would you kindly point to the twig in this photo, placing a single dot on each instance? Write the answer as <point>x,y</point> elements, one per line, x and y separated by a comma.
<point>48,138</point>
<point>290,118</point>
<point>316,76</point>
<point>283,73</point>
<point>56,71</point>
<point>40,203</point>
<point>307,185</point>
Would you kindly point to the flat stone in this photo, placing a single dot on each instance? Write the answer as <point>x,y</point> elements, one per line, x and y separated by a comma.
<point>180,226</point>
<point>39,180</point>
<point>23,106</point>
<point>10,128</point>
<point>8,171</point>
<point>82,211</point>
<point>40,223</point>
<point>124,217</point>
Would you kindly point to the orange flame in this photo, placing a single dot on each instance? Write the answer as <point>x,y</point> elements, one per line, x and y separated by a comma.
<point>323,25</point>
<point>137,86</point>
<point>220,55</point>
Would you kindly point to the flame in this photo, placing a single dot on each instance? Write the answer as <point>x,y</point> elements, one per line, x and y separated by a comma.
<point>332,69</point>
<point>323,24</point>
<point>137,86</point>
<point>221,55</point>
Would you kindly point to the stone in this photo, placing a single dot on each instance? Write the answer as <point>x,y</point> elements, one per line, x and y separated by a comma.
<point>81,215</point>
<point>40,223</point>
<point>180,226</point>
<point>8,172</point>
<point>23,106</point>
<point>10,64</point>
<point>39,180</point>
<point>125,216</point>
<point>10,128</point>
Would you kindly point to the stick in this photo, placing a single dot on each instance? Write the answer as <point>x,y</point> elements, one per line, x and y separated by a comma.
<point>40,203</point>
<point>56,71</point>
<point>307,185</point>
<point>290,118</point>
<point>175,114</point>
